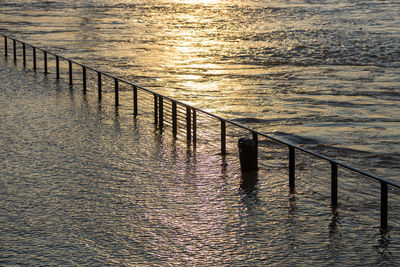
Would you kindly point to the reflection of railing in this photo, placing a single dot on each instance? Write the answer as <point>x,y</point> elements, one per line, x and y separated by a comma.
<point>189,120</point>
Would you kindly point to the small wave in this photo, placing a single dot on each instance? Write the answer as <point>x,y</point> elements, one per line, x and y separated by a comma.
<point>250,120</point>
<point>296,139</point>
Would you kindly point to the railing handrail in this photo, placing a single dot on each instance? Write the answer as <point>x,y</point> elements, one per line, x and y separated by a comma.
<point>290,145</point>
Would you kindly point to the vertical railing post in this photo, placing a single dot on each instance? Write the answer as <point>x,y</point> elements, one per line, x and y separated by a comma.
<point>384,206</point>
<point>84,79</point>
<point>57,68</point>
<point>70,72</point>
<point>45,61</point>
<point>116,92</point>
<point>135,101</point>
<point>188,125</point>
<point>15,49</point>
<point>255,139</point>
<point>23,54</point>
<point>34,57</point>
<point>99,86</point>
<point>155,109</point>
<point>292,164</point>
<point>194,126</point>
<point>334,184</point>
<point>161,112</point>
<point>5,47</point>
<point>223,137</point>
<point>174,120</point>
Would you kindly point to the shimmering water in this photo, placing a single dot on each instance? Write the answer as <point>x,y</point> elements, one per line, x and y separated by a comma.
<point>323,72</point>
<point>82,184</point>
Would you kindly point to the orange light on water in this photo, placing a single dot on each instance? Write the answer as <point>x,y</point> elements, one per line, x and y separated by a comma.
<point>205,2</point>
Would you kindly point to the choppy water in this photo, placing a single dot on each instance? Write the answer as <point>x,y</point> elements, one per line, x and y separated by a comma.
<point>82,185</point>
<point>326,71</point>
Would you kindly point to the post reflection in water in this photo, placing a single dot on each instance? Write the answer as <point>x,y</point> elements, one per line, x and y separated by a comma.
<point>249,181</point>
<point>273,61</point>
<point>93,188</point>
<point>141,196</point>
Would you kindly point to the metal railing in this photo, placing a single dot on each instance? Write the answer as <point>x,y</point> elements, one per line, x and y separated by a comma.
<point>190,114</point>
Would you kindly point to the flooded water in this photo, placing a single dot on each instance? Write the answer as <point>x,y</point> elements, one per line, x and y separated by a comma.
<point>323,74</point>
<point>85,184</point>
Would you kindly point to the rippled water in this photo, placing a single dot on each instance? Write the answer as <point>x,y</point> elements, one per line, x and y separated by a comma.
<point>322,72</point>
<point>82,184</point>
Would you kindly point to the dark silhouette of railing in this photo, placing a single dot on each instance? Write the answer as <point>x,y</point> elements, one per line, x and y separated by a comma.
<point>191,113</point>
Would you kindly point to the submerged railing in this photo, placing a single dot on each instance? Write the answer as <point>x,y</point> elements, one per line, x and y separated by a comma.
<point>190,115</point>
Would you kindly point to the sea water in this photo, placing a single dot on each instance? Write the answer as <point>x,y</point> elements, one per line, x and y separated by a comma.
<point>322,74</point>
<point>83,185</point>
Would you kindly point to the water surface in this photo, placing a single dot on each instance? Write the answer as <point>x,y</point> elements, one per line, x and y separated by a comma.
<point>82,184</point>
<point>326,71</point>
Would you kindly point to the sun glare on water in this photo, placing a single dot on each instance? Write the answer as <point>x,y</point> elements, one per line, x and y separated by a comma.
<point>206,2</point>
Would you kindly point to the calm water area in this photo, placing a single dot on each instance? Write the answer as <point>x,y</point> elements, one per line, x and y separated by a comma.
<point>82,184</point>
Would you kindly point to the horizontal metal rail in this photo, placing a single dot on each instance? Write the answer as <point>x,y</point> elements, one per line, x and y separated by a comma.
<point>191,114</point>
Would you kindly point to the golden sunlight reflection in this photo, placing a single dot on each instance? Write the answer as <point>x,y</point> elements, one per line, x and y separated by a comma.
<point>206,2</point>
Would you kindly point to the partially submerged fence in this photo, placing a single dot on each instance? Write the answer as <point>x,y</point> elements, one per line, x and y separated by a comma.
<point>184,118</point>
